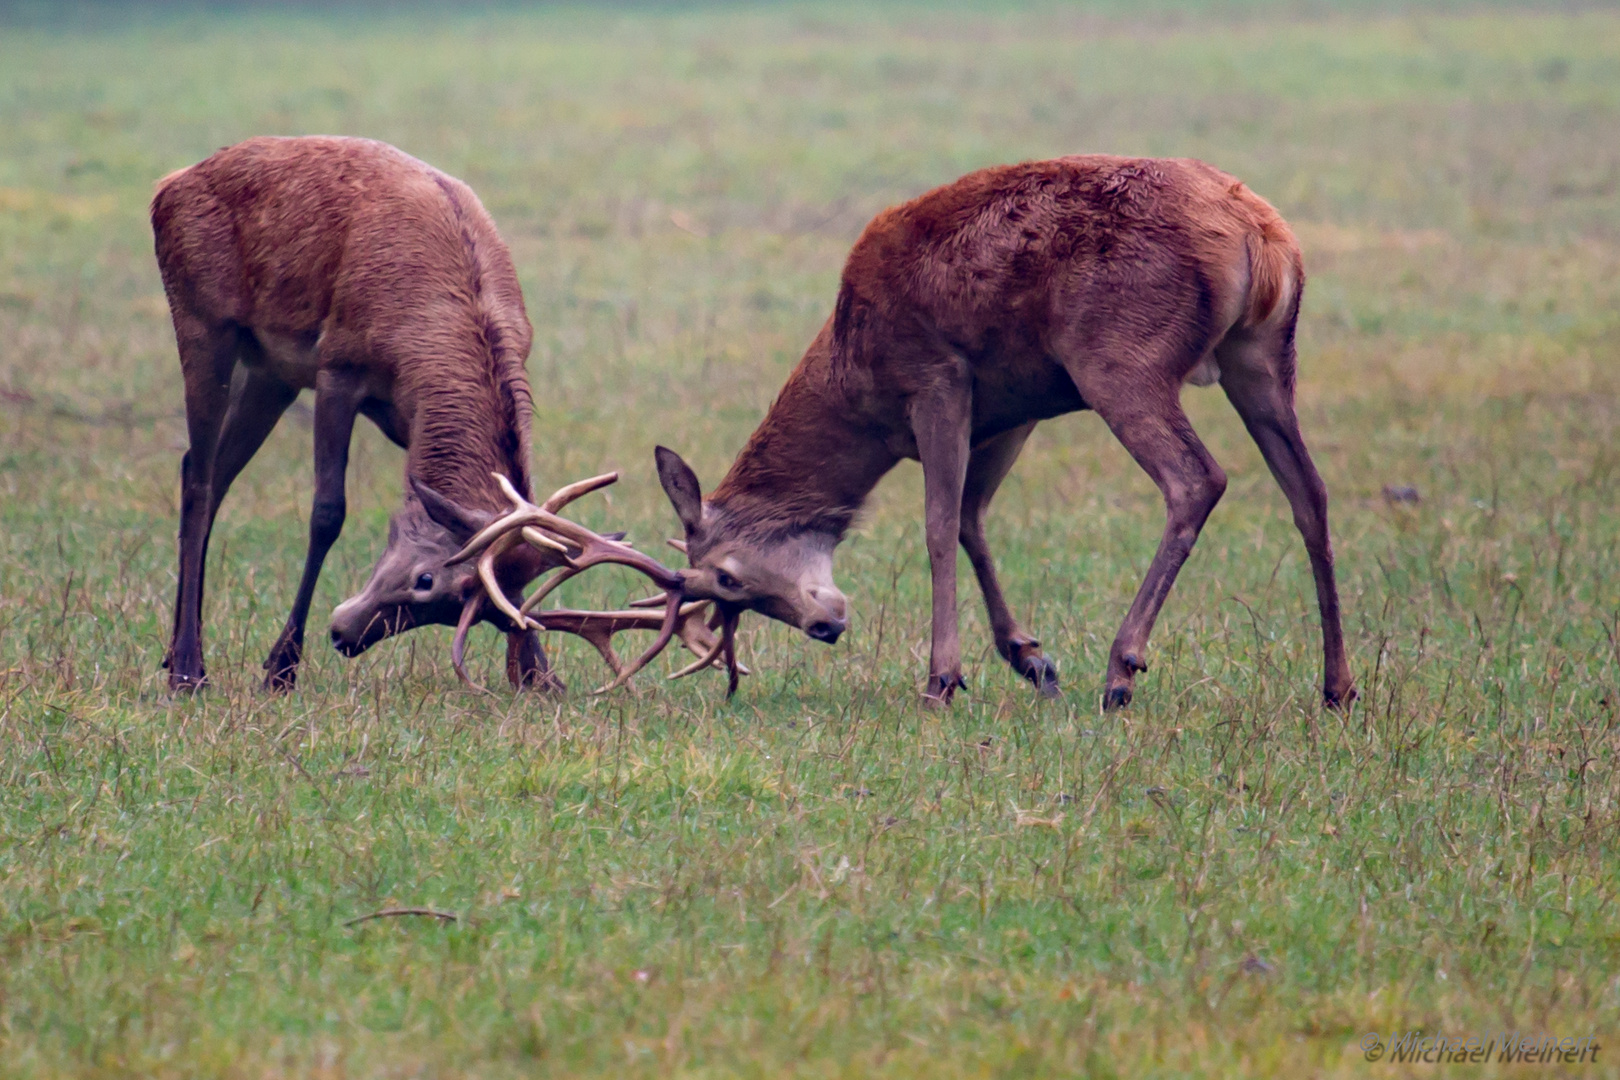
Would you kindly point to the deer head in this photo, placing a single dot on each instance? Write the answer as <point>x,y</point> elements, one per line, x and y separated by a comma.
<point>416,582</point>
<point>784,573</point>
<point>450,565</point>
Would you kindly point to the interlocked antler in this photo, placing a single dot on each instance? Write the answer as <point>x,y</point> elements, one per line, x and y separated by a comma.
<point>598,627</point>
<point>574,549</point>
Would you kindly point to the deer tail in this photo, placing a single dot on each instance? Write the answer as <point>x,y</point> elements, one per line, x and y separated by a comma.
<point>1276,271</point>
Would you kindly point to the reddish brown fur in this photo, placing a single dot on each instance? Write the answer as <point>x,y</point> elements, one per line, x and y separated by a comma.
<point>1020,293</point>
<point>346,267</point>
<point>389,263</point>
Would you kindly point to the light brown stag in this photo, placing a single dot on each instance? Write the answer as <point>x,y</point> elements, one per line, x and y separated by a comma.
<point>347,267</point>
<point>969,314</point>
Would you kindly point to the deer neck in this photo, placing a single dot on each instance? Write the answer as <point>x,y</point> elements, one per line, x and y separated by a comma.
<point>468,426</point>
<point>810,465</point>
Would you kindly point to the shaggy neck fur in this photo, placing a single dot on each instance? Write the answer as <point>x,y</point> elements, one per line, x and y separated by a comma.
<point>808,467</point>
<point>465,431</point>
<point>474,418</point>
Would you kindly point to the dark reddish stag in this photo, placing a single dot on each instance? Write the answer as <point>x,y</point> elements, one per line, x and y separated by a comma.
<point>965,317</point>
<point>347,267</point>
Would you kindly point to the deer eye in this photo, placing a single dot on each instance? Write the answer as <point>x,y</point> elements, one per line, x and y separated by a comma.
<point>726,581</point>
<point>424,582</point>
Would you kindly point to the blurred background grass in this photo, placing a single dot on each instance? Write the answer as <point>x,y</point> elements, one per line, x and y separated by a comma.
<point>679,186</point>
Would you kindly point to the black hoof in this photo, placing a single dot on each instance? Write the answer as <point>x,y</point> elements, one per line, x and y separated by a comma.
<point>280,680</point>
<point>941,688</point>
<point>1043,674</point>
<point>187,684</point>
<point>281,670</point>
<point>1117,697</point>
<point>1339,699</point>
<point>541,682</point>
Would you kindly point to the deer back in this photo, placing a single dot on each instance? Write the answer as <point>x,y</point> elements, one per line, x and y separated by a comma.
<point>999,266</point>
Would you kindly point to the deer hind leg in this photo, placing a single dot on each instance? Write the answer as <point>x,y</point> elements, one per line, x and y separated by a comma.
<point>1146,417</point>
<point>337,403</point>
<point>207,357</point>
<point>941,421</point>
<point>988,465</point>
<point>257,401</point>
<point>1256,370</point>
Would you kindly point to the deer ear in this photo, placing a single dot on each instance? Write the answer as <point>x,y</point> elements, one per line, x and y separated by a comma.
<point>682,487</point>
<point>452,516</point>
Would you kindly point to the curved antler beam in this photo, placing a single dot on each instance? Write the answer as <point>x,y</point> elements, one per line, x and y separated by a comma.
<point>593,548</point>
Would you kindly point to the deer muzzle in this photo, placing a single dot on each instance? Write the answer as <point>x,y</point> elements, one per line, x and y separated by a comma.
<point>826,630</point>
<point>828,614</point>
<point>357,625</point>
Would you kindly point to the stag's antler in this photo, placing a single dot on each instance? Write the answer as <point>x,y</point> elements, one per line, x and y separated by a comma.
<point>724,648</point>
<point>693,627</point>
<point>574,549</point>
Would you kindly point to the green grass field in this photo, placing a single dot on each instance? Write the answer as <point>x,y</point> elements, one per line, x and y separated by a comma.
<point>819,878</point>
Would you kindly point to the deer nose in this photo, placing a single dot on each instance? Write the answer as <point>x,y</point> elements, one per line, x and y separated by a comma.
<point>343,644</point>
<point>826,629</point>
<point>832,603</point>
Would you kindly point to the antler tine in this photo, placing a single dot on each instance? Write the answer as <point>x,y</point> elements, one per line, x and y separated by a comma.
<point>567,494</point>
<point>728,640</point>
<point>705,660</point>
<point>695,632</point>
<point>515,519</point>
<point>458,646</point>
<point>658,601</point>
<point>541,540</point>
<point>572,621</point>
<point>486,574</point>
<point>598,628</point>
<point>689,627</point>
<point>539,527</point>
<point>577,549</point>
<point>665,633</point>
<point>542,528</point>
<point>524,516</point>
<point>603,642</point>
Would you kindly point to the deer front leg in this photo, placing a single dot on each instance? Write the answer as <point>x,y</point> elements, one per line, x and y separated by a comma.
<point>337,402</point>
<point>941,423</point>
<point>526,664</point>
<point>527,667</point>
<point>987,467</point>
